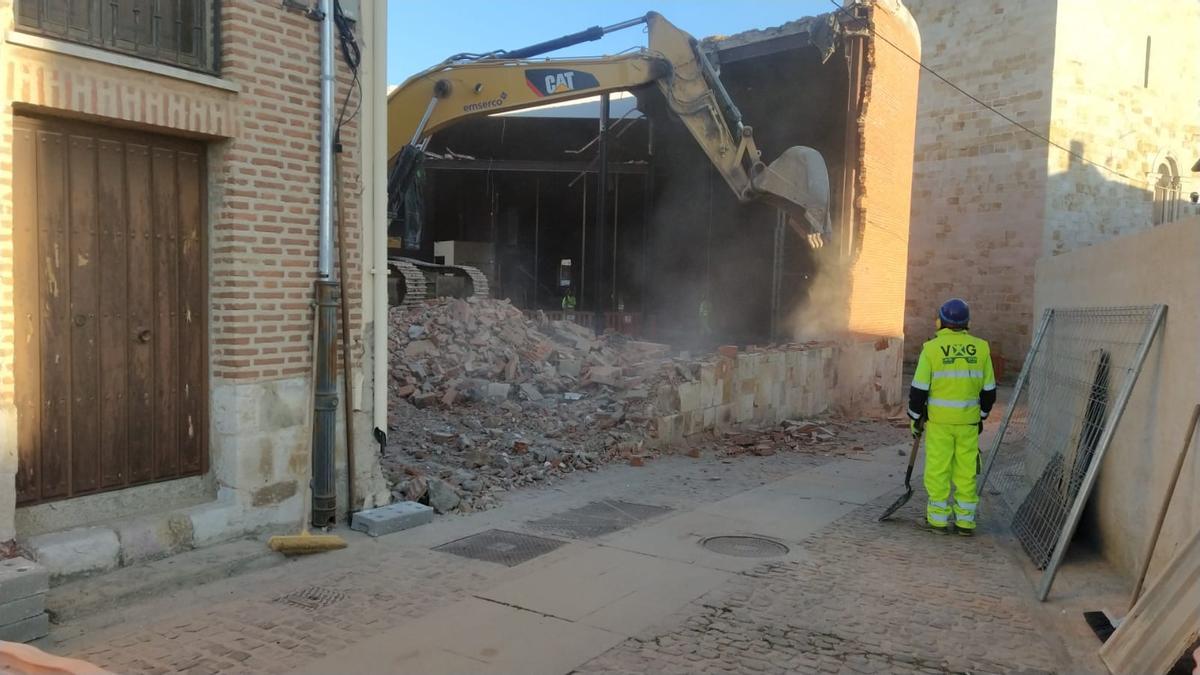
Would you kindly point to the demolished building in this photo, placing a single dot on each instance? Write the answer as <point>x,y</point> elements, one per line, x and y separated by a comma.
<point>681,260</point>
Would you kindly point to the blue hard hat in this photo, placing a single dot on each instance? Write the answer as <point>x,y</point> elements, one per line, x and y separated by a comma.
<point>954,313</point>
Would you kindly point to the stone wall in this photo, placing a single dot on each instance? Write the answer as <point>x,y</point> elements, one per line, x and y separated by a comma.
<point>1150,267</point>
<point>765,387</point>
<point>260,118</point>
<point>978,198</point>
<point>1117,110</point>
<point>989,198</point>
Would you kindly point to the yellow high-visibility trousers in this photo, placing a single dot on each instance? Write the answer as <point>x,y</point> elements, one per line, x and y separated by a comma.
<point>951,453</point>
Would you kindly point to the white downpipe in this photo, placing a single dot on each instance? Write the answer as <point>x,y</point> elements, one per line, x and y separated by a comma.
<point>379,210</point>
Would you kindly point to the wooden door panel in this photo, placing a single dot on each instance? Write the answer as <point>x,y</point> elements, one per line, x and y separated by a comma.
<point>141,315</point>
<point>193,421</point>
<point>111,308</point>
<point>53,248</point>
<point>82,261</point>
<point>27,301</point>
<point>114,329</point>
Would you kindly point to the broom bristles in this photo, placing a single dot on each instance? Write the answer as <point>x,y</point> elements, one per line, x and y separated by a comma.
<point>296,544</point>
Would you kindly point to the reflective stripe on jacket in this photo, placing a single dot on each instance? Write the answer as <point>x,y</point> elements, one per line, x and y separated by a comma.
<point>953,373</point>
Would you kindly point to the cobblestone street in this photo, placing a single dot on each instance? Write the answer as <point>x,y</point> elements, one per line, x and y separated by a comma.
<point>853,595</point>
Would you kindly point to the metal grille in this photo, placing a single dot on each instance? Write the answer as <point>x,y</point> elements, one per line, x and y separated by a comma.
<point>312,597</point>
<point>597,518</point>
<point>179,32</point>
<point>1067,402</point>
<point>500,546</point>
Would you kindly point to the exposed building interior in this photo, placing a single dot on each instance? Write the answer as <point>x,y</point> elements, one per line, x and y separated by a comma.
<point>516,193</point>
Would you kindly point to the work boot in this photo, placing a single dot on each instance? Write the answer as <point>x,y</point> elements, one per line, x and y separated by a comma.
<point>964,531</point>
<point>925,525</point>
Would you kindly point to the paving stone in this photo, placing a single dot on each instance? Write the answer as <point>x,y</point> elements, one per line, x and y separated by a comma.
<point>26,630</point>
<point>392,518</point>
<point>83,550</point>
<point>21,578</point>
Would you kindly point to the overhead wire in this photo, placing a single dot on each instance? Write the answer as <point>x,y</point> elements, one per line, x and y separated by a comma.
<point>989,107</point>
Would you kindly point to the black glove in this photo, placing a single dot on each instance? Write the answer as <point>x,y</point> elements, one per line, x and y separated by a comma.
<point>917,426</point>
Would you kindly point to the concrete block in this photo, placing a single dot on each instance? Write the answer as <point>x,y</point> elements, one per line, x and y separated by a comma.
<point>19,610</point>
<point>570,367</point>
<point>392,518</point>
<point>710,418</point>
<point>84,550</point>
<point>211,522</point>
<point>726,415</point>
<point>669,430</point>
<point>26,630</point>
<point>153,537</point>
<point>689,396</point>
<point>498,391</point>
<point>21,578</point>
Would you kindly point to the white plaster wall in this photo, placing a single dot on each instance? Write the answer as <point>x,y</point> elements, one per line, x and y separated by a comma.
<point>1150,267</point>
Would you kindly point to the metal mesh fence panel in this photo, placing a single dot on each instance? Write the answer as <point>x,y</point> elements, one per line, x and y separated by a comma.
<point>1068,399</point>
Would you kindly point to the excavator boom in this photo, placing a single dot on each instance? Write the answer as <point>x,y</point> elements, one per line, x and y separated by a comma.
<point>476,85</point>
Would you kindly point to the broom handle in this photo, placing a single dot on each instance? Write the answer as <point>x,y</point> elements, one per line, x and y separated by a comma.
<point>306,488</point>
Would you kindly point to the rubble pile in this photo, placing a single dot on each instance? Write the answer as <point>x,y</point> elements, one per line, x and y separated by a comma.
<point>485,400</point>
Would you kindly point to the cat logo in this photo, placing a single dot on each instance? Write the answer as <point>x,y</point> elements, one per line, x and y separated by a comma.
<point>550,81</point>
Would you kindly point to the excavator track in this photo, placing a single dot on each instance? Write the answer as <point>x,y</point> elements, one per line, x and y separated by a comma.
<point>413,287</point>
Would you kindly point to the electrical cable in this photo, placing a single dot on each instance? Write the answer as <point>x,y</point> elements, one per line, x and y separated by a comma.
<point>1031,132</point>
<point>352,55</point>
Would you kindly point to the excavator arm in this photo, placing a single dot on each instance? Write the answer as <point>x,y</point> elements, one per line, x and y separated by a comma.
<point>460,88</point>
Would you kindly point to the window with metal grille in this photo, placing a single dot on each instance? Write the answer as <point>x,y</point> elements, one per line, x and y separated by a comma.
<point>178,32</point>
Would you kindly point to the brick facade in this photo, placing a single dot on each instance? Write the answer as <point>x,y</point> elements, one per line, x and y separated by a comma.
<point>990,199</point>
<point>260,118</point>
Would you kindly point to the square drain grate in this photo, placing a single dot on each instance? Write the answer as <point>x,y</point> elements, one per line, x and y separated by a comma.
<point>597,518</point>
<point>500,546</point>
<point>312,597</point>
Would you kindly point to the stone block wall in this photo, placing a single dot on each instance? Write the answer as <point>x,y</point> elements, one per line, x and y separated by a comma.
<point>978,197</point>
<point>763,388</point>
<point>989,199</point>
<point>1122,104</point>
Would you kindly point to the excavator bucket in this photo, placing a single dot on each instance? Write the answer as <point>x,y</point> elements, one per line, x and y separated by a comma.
<point>798,183</point>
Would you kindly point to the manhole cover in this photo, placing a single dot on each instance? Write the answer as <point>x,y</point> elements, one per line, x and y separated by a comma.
<point>312,597</point>
<point>745,547</point>
<point>499,546</point>
<point>597,518</point>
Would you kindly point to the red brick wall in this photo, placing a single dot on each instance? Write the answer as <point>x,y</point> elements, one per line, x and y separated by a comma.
<point>263,174</point>
<point>264,240</point>
<point>877,277</point>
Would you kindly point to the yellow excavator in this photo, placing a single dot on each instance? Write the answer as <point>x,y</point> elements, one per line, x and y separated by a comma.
<point>472,85</point>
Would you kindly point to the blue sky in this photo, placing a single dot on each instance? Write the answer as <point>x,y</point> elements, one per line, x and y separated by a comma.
<point>423,32</point>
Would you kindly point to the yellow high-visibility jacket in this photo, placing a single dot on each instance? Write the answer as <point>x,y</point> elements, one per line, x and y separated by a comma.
<point>954,382</point>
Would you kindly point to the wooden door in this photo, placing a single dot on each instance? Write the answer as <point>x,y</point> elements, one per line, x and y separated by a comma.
<point>111,314</point>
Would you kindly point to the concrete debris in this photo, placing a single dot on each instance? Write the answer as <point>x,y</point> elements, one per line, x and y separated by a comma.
<point>485,400</point>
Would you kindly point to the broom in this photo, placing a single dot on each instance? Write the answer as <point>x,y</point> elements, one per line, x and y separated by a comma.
<point>306,542</point>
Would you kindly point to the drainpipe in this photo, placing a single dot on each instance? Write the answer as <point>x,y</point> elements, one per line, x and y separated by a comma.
<point>379,197</point>
<point>324,503</point>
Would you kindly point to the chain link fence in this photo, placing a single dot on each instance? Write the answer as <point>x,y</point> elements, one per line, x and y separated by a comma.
<point>1067,402</point>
